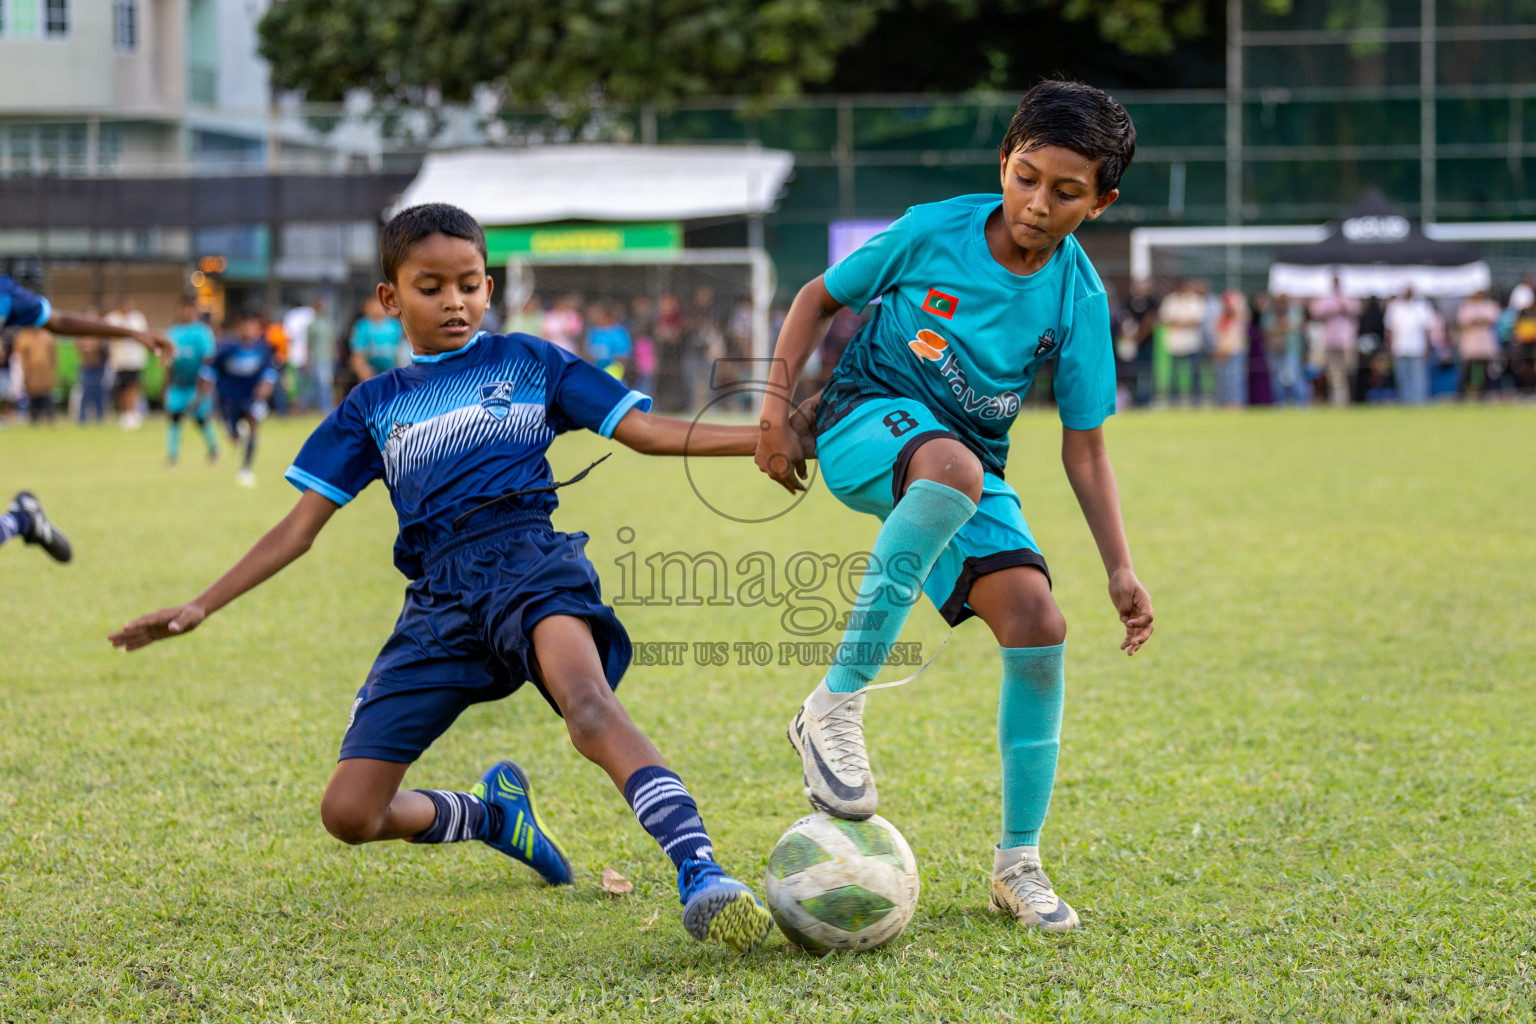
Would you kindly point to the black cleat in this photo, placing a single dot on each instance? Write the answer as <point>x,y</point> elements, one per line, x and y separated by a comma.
<point>42,530</point>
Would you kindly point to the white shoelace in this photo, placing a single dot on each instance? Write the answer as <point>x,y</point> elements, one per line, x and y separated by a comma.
<point>1029,882</point>
<point>844,729</point>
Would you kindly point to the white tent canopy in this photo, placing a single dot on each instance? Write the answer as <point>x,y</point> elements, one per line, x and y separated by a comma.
<point>610,183</point>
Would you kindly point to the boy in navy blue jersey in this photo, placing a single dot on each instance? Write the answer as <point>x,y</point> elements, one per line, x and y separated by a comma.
<point>20,307</point>
<point>498,597</point>
<point>243,375</point>
<point>977,295</point>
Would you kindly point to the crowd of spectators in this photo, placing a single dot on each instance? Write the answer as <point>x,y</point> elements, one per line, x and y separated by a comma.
<point>1195,345</point>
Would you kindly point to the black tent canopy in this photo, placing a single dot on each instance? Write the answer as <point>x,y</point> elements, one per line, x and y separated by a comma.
<point>1375,250</point>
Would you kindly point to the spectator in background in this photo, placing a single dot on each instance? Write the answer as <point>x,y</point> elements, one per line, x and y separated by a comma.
<point>1475,342</point>
<point>1410,320</point>
<point>608,342</point>
<point>703,343</point>
<point>1284,348</point>
<point>1137,326</point>
<point>1371,341</point>
<point>1522,348</point>
<point>277,340</point>
<point>38,355</point>
<point>320,344</point>
<point>1523,295</point>
<point>375,341</point>
<point>1229,351</point>
<point>562,325</point>
<point>667,332</point>
<point>92,354</point>
<point>1261,390</point>
<point>528,319</point>
<point>128,359</point>
<point>1181,313</point>
<point>296,329</point>
<point>1339,314</point>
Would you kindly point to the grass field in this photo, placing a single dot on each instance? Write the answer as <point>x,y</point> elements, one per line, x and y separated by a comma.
<point>1309,798</point>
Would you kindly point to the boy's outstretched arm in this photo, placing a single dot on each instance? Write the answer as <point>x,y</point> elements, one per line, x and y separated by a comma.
<point>781,451</point>
<point>282,544</point>
<point>665,435</point>
<point>1086,461</point>
<point>75,324</point>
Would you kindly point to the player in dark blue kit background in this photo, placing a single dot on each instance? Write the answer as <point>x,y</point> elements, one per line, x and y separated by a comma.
<point>498,596</point>
<point>243,375</point>
<point>19,307</point>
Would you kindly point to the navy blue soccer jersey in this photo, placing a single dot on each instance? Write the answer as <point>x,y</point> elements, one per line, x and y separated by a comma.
<point>21,308</point>
<point>238,368</point>
<point>455,430</point>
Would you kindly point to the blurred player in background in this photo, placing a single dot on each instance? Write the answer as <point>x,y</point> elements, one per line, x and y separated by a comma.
<point>195,346</point>
<point>19,307</point>
<point>375,342</point>
<point>979,294</point>
<point>243,375</point>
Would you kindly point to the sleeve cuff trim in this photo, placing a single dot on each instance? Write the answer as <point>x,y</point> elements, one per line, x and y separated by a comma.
<point>306,481</point>
<point>628,402</point>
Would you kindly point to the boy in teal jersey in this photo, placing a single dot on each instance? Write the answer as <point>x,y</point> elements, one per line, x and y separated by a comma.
<point>977,294</point>
<point>375,342</point>
<point>195,346</point>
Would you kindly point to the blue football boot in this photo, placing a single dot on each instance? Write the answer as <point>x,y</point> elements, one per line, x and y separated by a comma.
<point>717,908</point>
<point>522,836</point>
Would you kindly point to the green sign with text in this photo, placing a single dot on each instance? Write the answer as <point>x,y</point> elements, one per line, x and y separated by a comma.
<point>560,241</point>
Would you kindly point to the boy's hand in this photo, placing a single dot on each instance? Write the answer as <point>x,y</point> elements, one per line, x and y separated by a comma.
<point>157,343</point>
<point>160,625</point>
<point>784,445</point>
<point>1134,604</point>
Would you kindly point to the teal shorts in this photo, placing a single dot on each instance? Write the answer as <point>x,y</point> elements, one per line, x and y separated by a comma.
<point>181,398</point>
<point>864,457</point>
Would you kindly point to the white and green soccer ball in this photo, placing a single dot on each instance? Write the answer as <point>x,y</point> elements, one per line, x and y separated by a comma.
<point>836,884</point>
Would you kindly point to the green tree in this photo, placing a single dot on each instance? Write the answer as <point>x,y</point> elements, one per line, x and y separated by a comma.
<point>579,53</point>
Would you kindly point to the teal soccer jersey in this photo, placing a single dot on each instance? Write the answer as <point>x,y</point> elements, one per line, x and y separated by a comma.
<point>958,332</point>
<point>194,347</point>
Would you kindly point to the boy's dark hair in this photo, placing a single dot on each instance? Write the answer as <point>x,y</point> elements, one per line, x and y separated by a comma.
<point>1078,117</point>
<point>410,226</point>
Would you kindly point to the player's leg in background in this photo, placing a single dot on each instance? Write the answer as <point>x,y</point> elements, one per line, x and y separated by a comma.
<point>249,426</point>
<point>1031,632</point>
<point>210,437</point>
<point>716,906</point>
<point>173,438</point>
<point>25,518</point>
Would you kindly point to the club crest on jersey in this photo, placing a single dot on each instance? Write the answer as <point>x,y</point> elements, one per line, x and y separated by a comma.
<point>1046,343</point>
<point>496,398</point>
<point>940,304</point>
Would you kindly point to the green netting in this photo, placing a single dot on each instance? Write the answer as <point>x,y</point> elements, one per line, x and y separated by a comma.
<point>1179,124</point>
<point>1377,65</point>
<point>1332,122</point>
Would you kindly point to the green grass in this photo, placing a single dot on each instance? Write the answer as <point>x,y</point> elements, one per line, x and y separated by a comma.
<point>1309,798</point>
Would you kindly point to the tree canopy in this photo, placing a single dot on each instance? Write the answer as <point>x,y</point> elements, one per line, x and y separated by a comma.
<point>413,53</point>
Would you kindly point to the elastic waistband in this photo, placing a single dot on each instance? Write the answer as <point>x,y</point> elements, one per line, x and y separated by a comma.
<point>483,531</point>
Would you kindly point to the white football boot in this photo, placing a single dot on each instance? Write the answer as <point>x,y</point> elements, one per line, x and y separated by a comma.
<point>1020,888</point>
<point>828,734</point>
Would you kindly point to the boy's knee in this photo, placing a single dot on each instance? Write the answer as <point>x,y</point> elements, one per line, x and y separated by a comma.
<point>590,717</point>
<point>948,462</point>
<point>347,821</point>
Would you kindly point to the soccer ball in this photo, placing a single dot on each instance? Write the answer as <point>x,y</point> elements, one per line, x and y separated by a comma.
<point>836,884</point>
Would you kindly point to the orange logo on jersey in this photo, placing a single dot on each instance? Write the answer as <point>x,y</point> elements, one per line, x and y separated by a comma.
<point>929,345</point>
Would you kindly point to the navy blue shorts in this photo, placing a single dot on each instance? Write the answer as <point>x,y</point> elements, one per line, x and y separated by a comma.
<point>465,633</point>
<point>232,411</point>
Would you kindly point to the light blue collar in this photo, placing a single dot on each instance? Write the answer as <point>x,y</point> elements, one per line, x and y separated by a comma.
<point>440,356</point>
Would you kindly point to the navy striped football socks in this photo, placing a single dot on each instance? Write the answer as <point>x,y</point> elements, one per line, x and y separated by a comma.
<point>460,817</point>
<point>665,809</point>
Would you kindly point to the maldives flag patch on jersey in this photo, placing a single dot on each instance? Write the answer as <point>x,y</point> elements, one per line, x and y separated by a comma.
<point>940,304</point>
